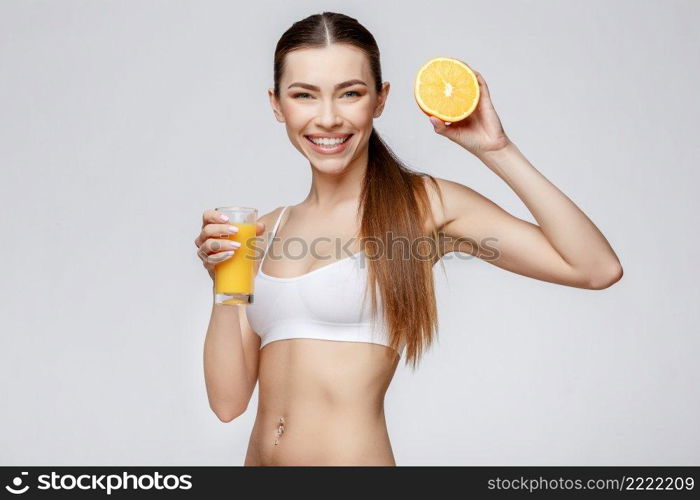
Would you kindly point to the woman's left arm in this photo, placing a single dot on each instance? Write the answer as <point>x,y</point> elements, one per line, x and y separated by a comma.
<point>566,247</point>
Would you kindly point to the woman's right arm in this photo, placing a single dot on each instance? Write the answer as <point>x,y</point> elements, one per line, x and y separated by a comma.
<point>231,347</point>
<point>229,376</point>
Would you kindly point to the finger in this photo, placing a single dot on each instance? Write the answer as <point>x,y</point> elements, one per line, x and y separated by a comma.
<point>213,216</point>
<point>220,230</point>
<point>214,230</point>
<point>483,84</point>
<point>215,258</point>
<point>205,253</point>
<point>438,125</point>
<point>260,228</point>
<point>202,254</point>
<point>215,245</point>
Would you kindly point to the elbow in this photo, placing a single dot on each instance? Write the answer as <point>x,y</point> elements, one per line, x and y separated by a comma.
<point>228,414</point>
<point>606,280</point>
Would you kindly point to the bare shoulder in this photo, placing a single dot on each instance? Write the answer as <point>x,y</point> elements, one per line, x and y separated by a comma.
<point>432,189</point>
<point>269,220</point>
<point>441,192</point>
<point>270,217</point>
<point>454,198</point>
<point>455,209</point>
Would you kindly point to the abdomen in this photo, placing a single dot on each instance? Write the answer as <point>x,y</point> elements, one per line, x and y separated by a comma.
<point>330,397</point>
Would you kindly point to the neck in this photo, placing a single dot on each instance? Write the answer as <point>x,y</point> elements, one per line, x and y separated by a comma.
<point>330,189</point>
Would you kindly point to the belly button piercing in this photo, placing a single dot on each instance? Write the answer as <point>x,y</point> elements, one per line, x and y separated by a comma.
<point>280,430</point>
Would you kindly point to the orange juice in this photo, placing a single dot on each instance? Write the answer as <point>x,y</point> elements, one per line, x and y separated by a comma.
<point>234,276</point>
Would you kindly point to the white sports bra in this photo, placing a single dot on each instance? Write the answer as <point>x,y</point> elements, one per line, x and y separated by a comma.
<point>326,303</point>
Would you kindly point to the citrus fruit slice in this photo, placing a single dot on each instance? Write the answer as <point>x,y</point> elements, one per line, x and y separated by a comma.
<point>447,89</point>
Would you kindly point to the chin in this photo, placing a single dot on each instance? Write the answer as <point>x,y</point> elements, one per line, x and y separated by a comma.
<point>329,169</point>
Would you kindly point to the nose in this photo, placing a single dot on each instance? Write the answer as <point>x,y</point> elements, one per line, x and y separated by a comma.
<point>328,117</point>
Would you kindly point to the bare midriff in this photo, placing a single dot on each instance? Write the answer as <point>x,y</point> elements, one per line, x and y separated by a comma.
<point>321,402</point>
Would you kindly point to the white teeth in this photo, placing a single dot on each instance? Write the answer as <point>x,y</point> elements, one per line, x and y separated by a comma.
<point>328,142</point>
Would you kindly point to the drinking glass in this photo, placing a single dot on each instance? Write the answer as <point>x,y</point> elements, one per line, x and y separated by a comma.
<point>234,277</point>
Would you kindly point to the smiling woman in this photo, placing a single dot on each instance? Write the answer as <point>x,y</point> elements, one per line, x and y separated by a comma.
<point>322,355</point>
<point>324,346</point>
<point>335,61</point>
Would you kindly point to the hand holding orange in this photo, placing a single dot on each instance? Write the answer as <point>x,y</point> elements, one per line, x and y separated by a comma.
<point>449,92</point>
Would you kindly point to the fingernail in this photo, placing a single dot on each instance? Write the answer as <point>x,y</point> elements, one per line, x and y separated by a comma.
<point>232,229</point>
<point>223,217</point>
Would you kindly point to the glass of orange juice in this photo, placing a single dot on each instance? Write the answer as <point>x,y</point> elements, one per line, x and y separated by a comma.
<point>234,277</point>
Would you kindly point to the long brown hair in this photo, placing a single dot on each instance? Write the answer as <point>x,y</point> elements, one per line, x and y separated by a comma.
<point>393,201</point>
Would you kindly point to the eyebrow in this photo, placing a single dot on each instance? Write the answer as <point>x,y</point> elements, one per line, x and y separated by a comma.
<point>337,87</point>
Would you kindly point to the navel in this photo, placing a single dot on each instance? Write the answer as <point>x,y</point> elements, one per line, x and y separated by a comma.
<point>280,430</point>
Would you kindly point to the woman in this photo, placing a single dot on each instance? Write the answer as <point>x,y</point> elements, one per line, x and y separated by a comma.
<point>322,359</point>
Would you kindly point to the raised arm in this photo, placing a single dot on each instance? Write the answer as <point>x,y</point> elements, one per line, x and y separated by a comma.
<point>565,247</point>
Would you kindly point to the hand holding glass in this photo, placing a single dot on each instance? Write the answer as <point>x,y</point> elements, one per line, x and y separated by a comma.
<point>234,277</point>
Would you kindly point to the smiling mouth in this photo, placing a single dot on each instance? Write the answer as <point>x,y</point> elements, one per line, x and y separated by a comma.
<point>329,146</point>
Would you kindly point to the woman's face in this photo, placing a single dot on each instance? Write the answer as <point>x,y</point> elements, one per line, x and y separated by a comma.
<point>328,93</point>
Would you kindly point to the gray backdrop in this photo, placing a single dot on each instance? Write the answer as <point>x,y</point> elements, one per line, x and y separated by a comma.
<point>122,121</point>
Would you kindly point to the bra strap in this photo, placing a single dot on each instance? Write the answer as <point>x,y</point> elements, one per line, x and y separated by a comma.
<point>274,232</point>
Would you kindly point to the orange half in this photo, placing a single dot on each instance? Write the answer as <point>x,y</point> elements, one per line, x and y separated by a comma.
<point>447,89</point>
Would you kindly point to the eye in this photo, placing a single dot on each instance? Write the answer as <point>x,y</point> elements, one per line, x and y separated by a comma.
<point>303,94</point>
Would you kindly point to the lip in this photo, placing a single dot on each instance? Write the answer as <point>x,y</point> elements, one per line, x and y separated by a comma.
<point>328,151</point>
<point>334,135</point>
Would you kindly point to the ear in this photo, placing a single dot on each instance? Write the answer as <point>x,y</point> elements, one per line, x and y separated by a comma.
<point>381,99</point>
<point>275,105</point>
